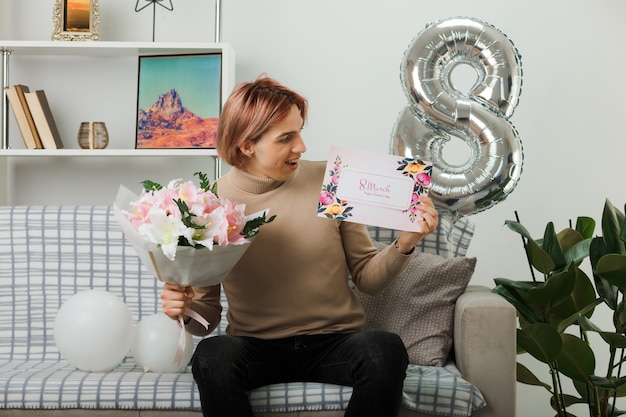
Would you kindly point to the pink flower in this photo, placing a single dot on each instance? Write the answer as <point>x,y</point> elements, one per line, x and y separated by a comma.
<point>181,210</point>
<point>326,198</point>
<point>423,179</point>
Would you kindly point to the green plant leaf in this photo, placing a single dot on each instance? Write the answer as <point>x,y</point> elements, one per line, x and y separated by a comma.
<point>251,228</point>
<point>214,189</point>
<point>608,383</point>
<point>525,376</point>
<point>576,359</point>
<point>541,341</point>
<point>585,226</point>
<point>612,222</point>
<point>569,401</point>
<point>607,291</point>
<point>151,185</point>
<point>588,325</point>
<point>619,318</point>
<point>552,246</point>
<point>612,267</point>
<point>578,251</point>
<point>583,389</point>
<point>518,228</point>
<point>568,238</point>
<point>585,311</point>
<point>555,290</point>
<point>205,184</point>
<point>580,297</point>
<point>512,292</point>
<point>614,340</point>
<point>518,285</point>
<point>539,258</point>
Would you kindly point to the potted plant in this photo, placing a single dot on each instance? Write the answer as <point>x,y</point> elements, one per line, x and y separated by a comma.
<point>555,310</point>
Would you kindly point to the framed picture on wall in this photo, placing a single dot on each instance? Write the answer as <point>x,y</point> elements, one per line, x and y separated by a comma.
<point>178,101</point>
<point>76,20</point>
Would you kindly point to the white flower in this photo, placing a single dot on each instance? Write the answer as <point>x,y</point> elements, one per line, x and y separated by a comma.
<point>164,230</point>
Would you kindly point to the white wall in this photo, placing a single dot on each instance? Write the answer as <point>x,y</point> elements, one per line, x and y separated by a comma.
<point>5,19</point>
<point>345,57</point>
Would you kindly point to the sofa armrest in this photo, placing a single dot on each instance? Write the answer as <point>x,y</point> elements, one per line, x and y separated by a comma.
<point>485,348</point>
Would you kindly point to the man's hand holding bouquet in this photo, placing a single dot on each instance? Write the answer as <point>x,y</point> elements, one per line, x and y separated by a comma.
<point>184,234</point>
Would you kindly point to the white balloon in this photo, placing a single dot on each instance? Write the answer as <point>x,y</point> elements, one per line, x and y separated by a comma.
<point>156,343</point>
<point>93,330</point>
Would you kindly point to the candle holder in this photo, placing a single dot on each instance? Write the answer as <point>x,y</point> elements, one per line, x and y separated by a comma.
<point>93,135</point>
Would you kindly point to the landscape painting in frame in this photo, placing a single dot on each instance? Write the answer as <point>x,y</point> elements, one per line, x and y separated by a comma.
<point>178,101</point>
<point>77,15</point>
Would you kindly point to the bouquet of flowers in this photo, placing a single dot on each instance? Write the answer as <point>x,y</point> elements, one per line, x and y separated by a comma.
<point>186,234</point>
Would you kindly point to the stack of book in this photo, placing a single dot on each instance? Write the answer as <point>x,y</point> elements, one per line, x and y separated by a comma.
<point>34,117</point>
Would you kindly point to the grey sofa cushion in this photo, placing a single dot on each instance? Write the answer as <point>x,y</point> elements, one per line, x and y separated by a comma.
<point>419,305</point>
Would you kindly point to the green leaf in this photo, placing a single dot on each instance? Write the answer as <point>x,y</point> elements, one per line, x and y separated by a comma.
<point>518,228</point>
<point>525,376</point>
<point>612,267</point>
<point>251,228</point>
<point>538,258</point>
<point>552,246</point>
<point>519,285</point>
<point>608,383</point>
<point>576,359</point>
<point>578,251</point>
<point>569,401</point>
<point>607,291</point>
<point>555,290</point>
<point>187,219</point>
<point>568,238</point>
<point>541,341</point>
<point>614,340</point>
<point>581,388</point>
<point>585,226</point>
<point>612,222</point>
<point>581,296</point>
<point>151,185</point>
<point>574,318</point>
<point>214,189</point>
<point>204,180</point>
<point>512,292</point>
<point>588,325</point>
<point>619,318</point>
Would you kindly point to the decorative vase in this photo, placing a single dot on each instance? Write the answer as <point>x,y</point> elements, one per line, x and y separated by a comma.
<point>93,135</point>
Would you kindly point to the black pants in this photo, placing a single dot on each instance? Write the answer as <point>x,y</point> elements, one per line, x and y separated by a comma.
<point>373,362</point>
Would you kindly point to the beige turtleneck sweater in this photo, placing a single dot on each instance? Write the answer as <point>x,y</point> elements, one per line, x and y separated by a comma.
<point>293,279</point>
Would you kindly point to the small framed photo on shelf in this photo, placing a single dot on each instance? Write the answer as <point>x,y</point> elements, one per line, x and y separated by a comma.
<point>76,20</point>
<point>178,101</point>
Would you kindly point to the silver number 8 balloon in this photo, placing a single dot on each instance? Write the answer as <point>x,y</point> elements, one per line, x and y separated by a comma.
<point>438,111</point>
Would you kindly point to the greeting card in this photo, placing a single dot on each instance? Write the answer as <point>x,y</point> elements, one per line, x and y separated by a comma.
<point>373,188</point>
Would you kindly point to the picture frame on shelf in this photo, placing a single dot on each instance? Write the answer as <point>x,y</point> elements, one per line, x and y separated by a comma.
<point>76,20</point>
<point>178,101</point>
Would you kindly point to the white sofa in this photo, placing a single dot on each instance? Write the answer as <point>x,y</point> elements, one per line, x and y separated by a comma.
<point>48,253</point>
